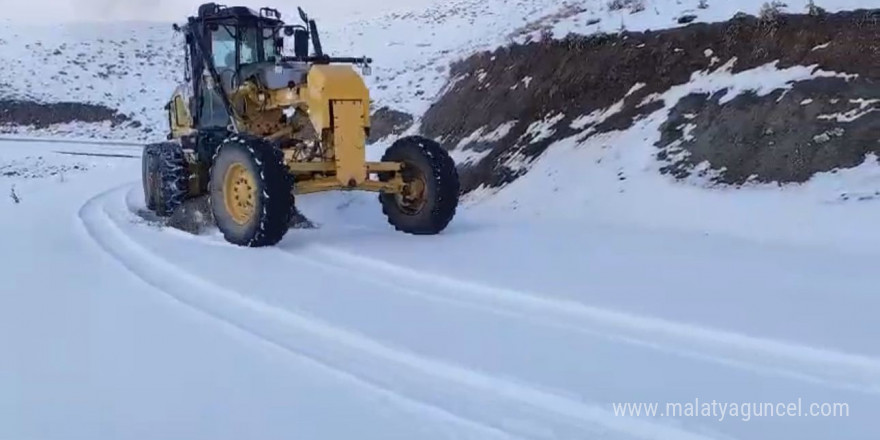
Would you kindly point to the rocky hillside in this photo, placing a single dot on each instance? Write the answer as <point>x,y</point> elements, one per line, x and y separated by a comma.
<point>772,98</point>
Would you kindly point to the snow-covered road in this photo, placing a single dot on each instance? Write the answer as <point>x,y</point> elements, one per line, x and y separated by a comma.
<point>111,327</point>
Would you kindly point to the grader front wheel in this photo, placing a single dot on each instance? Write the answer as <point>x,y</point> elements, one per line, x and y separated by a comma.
<point>240,193</point>
<point>429,197</point>
<point>250,192</point>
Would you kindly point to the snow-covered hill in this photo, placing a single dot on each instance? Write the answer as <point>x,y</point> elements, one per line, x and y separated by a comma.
<point>129,67</point>
<point>133,67</point>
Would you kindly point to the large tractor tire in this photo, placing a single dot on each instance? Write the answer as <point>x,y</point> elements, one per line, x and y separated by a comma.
<point>430,196</point>
<point>149,169</point>
<point>165,177</point>
<point>251,191</point>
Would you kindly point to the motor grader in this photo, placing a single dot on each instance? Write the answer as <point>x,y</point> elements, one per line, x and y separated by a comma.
<point>254,125</point>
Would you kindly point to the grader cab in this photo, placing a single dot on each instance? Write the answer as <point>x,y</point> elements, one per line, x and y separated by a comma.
<point>253,126</point>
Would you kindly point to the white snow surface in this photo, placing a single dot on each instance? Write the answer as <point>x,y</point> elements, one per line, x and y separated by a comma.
<point>505,326</point>
<point>464,156</point>
<point>591,280</point>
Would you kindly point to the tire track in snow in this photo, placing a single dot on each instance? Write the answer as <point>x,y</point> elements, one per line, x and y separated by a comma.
<point>764,356</point>
<point>494,407</point>
<point>68,141</point>
<point>196,294</point>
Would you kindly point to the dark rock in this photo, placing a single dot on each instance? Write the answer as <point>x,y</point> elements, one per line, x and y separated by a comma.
<point>775,138</point>
<point>387,122</point>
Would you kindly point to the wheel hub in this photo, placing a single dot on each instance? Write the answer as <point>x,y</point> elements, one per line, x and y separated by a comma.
<point>240,193</point>
<point>413,197</point>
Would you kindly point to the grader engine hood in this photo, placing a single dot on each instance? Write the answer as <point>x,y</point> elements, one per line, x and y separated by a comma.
<point>329,84</point>
<point>339,107</point>
<point>314,86</point>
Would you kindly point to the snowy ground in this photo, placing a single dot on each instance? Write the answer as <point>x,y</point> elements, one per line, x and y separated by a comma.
<point>528,328</point>
<point>592,280</point>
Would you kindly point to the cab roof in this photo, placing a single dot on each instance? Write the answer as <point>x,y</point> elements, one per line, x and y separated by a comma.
<point>219,13</point>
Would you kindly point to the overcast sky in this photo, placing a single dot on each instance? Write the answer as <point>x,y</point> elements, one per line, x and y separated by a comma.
<point>176,10</point>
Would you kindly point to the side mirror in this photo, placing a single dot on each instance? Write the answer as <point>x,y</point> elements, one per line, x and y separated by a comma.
<point>367,70</point>
<point>301,43</point>
<point>302,15</point>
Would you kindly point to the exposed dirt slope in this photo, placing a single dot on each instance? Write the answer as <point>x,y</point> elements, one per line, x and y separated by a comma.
<point>525,97</point>
<point>387,121</point>
<point>41,115</point>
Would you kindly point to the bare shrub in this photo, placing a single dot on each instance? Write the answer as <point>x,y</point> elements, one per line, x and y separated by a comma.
<point>14,196</point>
<point>633,5</point>
<point>546,23</point>
<point>770,11</point>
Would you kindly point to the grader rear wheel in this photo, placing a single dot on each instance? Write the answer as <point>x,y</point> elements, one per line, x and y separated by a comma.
<point>250,192</point>
<point>149,179</point>
<point>164,177</point>
<point>430,194</point>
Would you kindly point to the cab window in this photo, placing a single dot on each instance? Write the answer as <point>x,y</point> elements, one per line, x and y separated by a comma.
<point>250,44</point>
<point>223,47</point>
<point>269,49</point>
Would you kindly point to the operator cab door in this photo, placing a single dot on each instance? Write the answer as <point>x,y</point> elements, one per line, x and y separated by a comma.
<point>231,48</point>
<point>213,113</point>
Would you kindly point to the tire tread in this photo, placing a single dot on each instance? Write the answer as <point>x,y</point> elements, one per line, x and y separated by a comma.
<point>447,187</point>
<point>275,183</point>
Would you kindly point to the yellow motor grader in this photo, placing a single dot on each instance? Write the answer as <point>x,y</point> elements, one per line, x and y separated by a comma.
<point>252,127</point>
